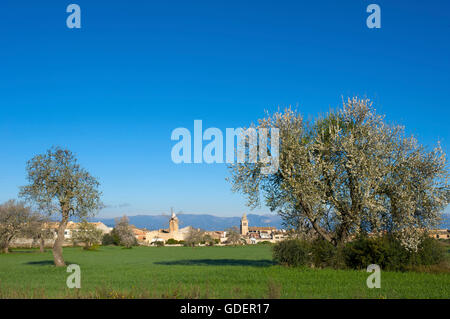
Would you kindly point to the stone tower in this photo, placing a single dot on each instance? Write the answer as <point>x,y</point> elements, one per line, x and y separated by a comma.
<point>244,225</point>
<point>173,223</point>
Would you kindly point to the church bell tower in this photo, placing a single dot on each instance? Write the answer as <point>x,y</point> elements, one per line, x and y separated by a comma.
<point>244,225</point>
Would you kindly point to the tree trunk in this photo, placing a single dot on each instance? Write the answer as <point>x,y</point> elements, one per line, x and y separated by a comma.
<point>42,245</point>
<point>6,243</point>
<point>57,247</point>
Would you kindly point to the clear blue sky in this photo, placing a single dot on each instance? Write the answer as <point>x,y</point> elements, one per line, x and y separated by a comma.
<point>114,90</point>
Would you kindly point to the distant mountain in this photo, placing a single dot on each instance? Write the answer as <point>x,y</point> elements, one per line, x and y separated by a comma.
<point>206,222</point>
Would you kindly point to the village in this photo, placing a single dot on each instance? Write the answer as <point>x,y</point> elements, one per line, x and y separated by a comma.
<point>176,236</point>
<point>173,235</point>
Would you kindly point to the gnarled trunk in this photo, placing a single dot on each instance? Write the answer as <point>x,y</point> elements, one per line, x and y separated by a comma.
<point>42,245</point>
<point>5,244</point>
<point>57,247</point>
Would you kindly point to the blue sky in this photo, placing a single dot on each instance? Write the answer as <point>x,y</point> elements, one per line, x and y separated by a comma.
<point>114,90</point>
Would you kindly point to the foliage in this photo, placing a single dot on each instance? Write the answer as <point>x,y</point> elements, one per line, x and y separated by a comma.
<point>124,232</point>
<point>208,240</point>
<point>385,251</point>
<point>233,236</point>
<point>194,237</point>
<point>292,252</point>
<point>324,254</point>
<point>389,254</point>
<point>58,185</point>
<point>430,252</point>
<point>16,218</point>
<point>347,173</point>
<point>111,239</point>
<point>158,243</point>
<point>172,241</point>
<point>265,242</point>
<point>40,231</point>
<point>87,234</point>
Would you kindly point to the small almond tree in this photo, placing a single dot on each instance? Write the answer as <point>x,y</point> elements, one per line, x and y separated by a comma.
<point>233,236</point>
<point>87,234</point>
<point>40,231</point>
<point>59,186</point>
<point>16,219</point>
<point>194,237</point>
<point>124,232</point>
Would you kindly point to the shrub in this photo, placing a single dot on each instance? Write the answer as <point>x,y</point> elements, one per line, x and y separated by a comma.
<point>364,251</point>
<point>325,254</point>
<point>389,254</point>
<point>208,240</point>
<point>158,243</point>
<point>264,242</point>
<point>110,239</point>
<point>385,251</point>
<point>172,241</point>
<point>292,252</point>
<point>92,247</point>
<point>431,252</point>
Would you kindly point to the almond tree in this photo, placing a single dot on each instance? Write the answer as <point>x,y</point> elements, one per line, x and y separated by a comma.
<point>40,231</point>
<point>15,220</point>
<point>233,236</point>
<point>194,237</point>
<point>59,186</point>
<point>124,232</point>
<point>87,234</point>
<point>349,172</point>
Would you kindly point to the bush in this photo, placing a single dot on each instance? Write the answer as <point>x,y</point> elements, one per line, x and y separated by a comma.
<point>431,252</point>
<point>158,243</point>
<point>292,252</point>
<point>386,251</point>
<point>264,242</point>
<point>389,254</point>
<point>110,239</point>
<point>383,251</point>
<point>325,254</point>
<point>92,247</point>
<point>172,241</point>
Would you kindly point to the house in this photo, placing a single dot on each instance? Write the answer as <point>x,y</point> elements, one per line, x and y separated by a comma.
<point>73,227</point>
<point>440,233</point>
<point>68,233</point>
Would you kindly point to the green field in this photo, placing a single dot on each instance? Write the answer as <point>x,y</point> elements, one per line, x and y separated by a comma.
<point>200,272</point>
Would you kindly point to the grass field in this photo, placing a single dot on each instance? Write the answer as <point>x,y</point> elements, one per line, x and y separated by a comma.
<point>201,272</point>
